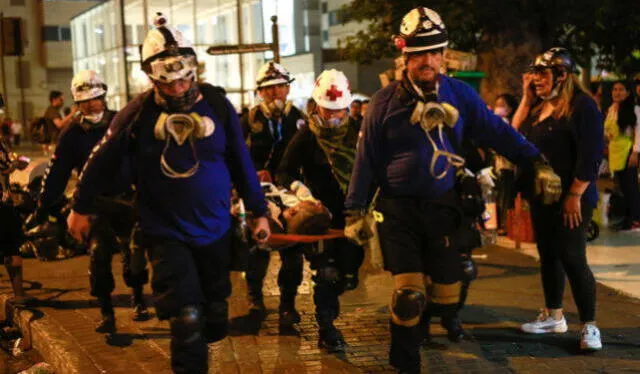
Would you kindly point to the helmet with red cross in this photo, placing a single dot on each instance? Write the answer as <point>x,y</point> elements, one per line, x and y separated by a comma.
<point>332,90</point>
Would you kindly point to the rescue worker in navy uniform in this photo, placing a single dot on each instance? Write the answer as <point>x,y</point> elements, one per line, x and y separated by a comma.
<point>324,153</point>
<point>11,235</point>
<point>73,149</point>
<point>185,144</point>
<point>406,151</point>
<point>270,126</point>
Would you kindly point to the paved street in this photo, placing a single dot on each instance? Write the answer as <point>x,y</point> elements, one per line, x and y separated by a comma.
<point>507,293</point>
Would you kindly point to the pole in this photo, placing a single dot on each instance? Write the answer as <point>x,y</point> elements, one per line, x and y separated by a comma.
<point>21,79</point>
<point>275,39</point>
<point>123,28</point>
<point>4,74</point>
<point>240,57</point>
<point>145,14</point>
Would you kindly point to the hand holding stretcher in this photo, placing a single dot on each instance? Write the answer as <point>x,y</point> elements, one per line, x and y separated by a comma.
<point>295,216</point>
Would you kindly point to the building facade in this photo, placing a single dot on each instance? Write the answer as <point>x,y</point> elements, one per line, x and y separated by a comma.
<point>99,43</point>
<point>47,62</point>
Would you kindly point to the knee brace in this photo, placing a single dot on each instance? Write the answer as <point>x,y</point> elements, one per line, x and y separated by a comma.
<point>409,299</point>
<point>443,299</point>
<point>186,327</point>
<point>329,276</point>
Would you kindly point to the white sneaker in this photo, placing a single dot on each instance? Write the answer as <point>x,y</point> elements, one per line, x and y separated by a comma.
<point>590,338</point>
<point>545,324</point>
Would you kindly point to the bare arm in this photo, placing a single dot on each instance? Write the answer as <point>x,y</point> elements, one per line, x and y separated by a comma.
<point>62,123</point>
<point>528,97</point>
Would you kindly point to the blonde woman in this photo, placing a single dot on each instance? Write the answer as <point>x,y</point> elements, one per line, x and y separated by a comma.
<point>558,115</point>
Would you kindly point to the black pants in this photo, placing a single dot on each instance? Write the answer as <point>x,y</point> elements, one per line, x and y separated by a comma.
<point>104,241</point>
<point>414,239</point>
<point>628,180</point>
<point>289,276</point>
<point>134,260</point>
<point>11,235</point>
<point>563,251</point>
<point>331,260</point>
<point>505,187</point>
<point>189,276</point>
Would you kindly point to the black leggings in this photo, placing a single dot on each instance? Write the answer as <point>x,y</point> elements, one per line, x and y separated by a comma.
<point>628,180</point>
<point>563,251</point>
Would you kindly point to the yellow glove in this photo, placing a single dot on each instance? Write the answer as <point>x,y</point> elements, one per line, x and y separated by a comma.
<point>547,183</point>
<point>357,228</point>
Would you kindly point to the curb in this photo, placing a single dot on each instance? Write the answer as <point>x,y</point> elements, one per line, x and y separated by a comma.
<point>40,332</point>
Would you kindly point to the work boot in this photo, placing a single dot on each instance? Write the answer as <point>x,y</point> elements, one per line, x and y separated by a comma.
<point>288,313</point>
<point>455,331</point>
<point>140,311</point>
<point>107,325</point>
<point>289,316</point>
<point>216,321</point>
<point>404,353</point>
<point>256,301</point>
<point>425,327</point>
<point>331,340</point>
<point>216,331</point>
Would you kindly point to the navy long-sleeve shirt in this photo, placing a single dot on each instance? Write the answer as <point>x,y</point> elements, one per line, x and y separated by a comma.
<point>73,150</point>
<point>396,155</point>
<point>195,210</point>
<point>573,145</point>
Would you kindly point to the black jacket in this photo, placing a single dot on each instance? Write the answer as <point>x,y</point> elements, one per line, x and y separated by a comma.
<point>266,153</point>
<point>305,160</point>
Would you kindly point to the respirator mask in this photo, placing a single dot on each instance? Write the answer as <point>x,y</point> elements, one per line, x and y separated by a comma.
<point>181,127</point>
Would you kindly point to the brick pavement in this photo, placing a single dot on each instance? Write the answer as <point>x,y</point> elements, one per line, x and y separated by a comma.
<point>508,292</point>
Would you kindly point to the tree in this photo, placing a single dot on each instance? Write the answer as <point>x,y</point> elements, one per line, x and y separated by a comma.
<point>506,35</point>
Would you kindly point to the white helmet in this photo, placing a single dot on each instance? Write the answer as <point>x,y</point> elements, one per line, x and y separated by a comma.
<point>422,29</point>
<point>166,55</point>
<point>87,85</point>
<point>332,90</point>
<point>271,74</point>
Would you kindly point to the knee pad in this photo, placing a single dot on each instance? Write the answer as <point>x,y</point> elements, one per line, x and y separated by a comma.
<point>329,276</point>
<point>186,327</point>
<point>409,299</point>
<point>444,299</point>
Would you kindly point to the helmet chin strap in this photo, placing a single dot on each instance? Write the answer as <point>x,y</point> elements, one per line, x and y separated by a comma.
<point>553,94</point>
<point>555,91</point>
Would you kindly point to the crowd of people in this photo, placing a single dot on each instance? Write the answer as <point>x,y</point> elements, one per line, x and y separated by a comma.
<point>393,172</point>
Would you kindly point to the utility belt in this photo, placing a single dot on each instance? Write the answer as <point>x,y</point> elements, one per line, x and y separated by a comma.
<point>462,234</point>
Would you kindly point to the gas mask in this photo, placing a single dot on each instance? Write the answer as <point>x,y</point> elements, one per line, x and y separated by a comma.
<point>178,104</point>
<point>181,127</point>
<point>275,109</point>
<point>430,116</point>
<point>93,118</point>
<point>331,123</point>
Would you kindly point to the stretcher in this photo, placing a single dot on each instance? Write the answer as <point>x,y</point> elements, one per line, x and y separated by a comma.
<point>285,239</point>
